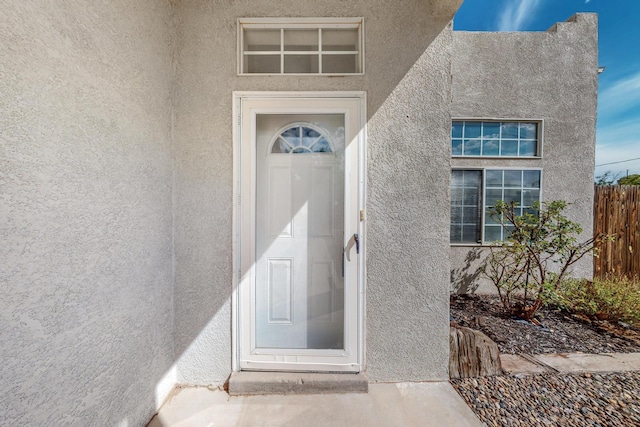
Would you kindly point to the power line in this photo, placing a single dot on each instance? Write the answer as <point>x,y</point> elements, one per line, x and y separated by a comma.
<point>621,161</point>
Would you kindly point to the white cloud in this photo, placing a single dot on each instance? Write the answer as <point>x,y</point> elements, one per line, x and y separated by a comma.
<point>516,14</point>
<point>618,141</point>
<point>620,96</point>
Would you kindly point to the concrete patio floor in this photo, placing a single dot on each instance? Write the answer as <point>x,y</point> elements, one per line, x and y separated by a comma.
<point>404,404</point>
<point>398,404</point>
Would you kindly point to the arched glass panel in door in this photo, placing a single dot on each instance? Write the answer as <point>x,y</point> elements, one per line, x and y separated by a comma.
<point>301,138</point>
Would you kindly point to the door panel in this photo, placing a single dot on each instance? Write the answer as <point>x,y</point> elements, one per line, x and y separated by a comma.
<point>279,205</point>
<point>299,207</point>
<point>323,201</point>
<point>280,291</point>
<point>301,194</point>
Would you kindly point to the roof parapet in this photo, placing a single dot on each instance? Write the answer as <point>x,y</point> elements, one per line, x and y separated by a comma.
<point>444,8</point>
<point>577,18</point>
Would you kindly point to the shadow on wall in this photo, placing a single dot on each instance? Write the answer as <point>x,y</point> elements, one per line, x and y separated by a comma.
<point>202,223</point>
<point>464,280</point>
<point>202,299</point>
<point>201,308</point>
<point>94,298</point>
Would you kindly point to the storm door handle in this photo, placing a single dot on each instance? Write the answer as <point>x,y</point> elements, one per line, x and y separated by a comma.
<point>353,241</point>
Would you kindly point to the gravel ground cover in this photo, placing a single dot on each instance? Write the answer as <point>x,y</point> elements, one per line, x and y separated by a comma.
<point>554,400</point>
<point>549,399</point>
<point>560,332</point>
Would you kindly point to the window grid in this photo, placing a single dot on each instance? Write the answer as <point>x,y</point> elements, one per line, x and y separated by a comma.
<point>519,186</point>
<point>301,138</point>
<point>465,213</point>
<point>318,61</point>
<point>522,186</point>
<point>494,138</point>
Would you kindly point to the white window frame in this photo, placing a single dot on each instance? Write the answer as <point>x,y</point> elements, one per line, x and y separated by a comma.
<point>484,201</point>
<point>300,23</point>
<point>538,121</point>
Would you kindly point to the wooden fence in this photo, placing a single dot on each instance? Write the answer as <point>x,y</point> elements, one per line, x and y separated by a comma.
<point>617,212</point>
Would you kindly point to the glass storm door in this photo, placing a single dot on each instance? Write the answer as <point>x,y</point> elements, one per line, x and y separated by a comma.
<point>299,289</point>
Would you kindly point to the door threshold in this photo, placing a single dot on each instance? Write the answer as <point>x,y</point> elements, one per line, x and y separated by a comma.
<point>253,383</point>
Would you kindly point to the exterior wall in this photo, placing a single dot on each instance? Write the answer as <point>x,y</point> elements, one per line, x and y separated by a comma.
<point>109,161</point>
<point>407,82</point>
<point>551,76</point>
<point>85,212</point>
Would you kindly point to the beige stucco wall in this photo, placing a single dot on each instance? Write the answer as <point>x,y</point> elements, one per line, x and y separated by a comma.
<point>86,318</point>
<point>407,84</point>
<point>116,184</point>
<point>546,75</point>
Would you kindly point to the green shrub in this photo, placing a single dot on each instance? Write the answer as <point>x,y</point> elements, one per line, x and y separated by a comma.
<point>541,246</point>
<point>612,298</point>
<point>630,180</point>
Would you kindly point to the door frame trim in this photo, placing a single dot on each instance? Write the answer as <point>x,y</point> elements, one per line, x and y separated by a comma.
<point>238,97</point>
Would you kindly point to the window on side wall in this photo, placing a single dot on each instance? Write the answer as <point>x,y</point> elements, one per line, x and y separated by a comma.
<point>496,138</point>
<point>300,46</point>
<point>474,193</point>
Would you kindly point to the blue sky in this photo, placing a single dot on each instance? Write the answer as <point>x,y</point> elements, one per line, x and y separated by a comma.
<point>618,131</point>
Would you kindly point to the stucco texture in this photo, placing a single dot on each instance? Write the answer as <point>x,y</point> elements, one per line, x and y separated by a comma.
<point>407,78</point>
<point>116,185</point>
<point>543,75</point>
<point>86,326</point>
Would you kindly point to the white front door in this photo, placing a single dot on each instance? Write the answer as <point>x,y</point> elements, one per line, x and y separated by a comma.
<point>299,217</point>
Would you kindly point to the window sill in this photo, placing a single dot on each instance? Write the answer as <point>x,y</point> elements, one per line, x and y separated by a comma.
<point>298,75</point>
<point>473,245</point>
<point>456,156</point>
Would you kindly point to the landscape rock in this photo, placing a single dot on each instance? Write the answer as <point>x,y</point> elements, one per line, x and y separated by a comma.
<point>549,398</point>
<point>472,354</point>
<point>554,399</point>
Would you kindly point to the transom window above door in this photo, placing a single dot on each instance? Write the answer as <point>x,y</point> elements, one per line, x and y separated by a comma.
<point>315,46</point>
